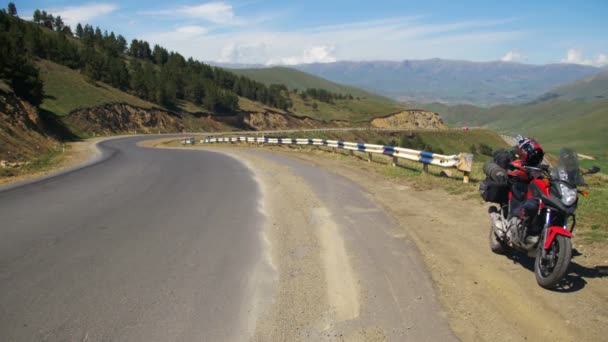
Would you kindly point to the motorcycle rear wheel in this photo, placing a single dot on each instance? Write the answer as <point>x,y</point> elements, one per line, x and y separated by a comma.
<point>496,245</point>
<point>550,271</point>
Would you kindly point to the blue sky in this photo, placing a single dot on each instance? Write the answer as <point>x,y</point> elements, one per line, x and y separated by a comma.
<point>283,32</point>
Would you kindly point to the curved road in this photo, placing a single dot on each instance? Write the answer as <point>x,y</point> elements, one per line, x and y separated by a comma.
<point>161,245</point>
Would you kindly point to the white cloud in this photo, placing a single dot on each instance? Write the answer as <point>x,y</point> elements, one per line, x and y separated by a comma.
<point>316,54</point>
<point>191,30</point>
<point>237,53</point>
<point>514,56</point>
<point>386,39</point>
<point>576,56</point>
<point>214,12</point>
<point>181,35</point>
<point>73,15</point>
<point>601,59</point>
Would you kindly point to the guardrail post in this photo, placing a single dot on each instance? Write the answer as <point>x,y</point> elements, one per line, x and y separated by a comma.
<point>465,165</point>
<point>369,157</point>
<point>394,161</point>
<point>425,168</point>
<point>351,152</point>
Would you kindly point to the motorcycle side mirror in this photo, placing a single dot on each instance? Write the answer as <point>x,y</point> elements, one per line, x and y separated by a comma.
<point>592,170</point>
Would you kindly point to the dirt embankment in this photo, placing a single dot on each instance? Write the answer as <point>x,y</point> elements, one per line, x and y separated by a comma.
<point>409,119</point>
<point>276,121</point>
<point>406,119</point>
<point>22,133</point>
<point>113,118</point>
<point>117,118</point>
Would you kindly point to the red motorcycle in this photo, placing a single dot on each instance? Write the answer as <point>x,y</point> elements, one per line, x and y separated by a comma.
<point>547,233</point>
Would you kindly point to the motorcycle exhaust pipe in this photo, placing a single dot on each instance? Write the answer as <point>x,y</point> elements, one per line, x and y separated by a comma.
<point>495,217</point>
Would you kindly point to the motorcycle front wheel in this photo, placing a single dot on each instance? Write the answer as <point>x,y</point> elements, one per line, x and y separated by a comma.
<point>552,268</point>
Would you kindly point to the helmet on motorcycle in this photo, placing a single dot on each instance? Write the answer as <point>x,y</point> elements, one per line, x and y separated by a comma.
<point>530,152</point>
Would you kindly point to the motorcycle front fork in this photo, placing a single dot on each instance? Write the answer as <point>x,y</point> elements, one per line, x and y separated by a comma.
<point>541,245</point>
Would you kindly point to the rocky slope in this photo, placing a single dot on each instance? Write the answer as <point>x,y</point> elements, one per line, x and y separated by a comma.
<point>410,119</point>
<point>22,132</point>
<point>115,118</point>
<point>276,121</point>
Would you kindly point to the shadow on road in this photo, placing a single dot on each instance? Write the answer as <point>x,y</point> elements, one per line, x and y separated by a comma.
<point>574,280</point>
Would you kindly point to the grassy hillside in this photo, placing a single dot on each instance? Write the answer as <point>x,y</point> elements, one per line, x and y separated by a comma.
<point>578,124</point>
<point>457,115</point>
<point>357,110</point>
<point>556,123</point>
<point>364,107</point>
<point>295,79</point>
<point>66,90</point>
<point>572,115</point>
<point>589,89</point>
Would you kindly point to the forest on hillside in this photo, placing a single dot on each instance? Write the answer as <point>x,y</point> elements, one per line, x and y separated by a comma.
<point>151,73</point>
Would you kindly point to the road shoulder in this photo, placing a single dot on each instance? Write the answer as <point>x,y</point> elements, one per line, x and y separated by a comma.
<point>73,155</point>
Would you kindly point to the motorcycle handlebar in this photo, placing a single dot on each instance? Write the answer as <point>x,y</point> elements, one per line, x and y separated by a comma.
<point>542,168</point>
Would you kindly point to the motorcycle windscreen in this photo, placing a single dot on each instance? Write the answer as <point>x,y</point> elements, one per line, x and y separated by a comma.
<point>568,167</point>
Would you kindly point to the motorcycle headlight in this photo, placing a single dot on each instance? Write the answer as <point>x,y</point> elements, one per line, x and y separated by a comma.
<point>568,194</point>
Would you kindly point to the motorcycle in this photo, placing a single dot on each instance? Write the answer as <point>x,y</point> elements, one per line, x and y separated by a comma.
<point>546,234</point>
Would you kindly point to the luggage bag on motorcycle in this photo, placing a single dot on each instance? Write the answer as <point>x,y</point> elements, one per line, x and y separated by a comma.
<point>495,187</point>
<point>495,192</point>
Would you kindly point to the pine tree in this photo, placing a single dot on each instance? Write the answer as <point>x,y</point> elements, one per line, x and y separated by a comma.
<point>67,30</point>
<point>145,51</point>
<point>121,44</point>
<point>136,49</point>
<point>12,9</point>
<point>98,37</point>
<point>37,16</point>
<point>150,80</point>
<point>138,80</point>
<point>16,66</point>
<point>47,20</point>
<point>160,55</point>
<point>79,31</point>
<point>58,24</point>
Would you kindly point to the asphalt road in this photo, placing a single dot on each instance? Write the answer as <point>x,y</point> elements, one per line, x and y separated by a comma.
<point>145,245</point>
<point>164,245</point>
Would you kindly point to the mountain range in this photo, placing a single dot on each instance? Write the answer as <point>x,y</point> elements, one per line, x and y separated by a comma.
<point>451,81</point>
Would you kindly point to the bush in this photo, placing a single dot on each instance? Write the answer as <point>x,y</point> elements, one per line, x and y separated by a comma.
<point>485,150</point>
<point>7,172</point>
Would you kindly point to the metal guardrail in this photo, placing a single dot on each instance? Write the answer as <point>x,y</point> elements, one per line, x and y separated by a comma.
<point>462,161</point>
<point>188,141</point>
